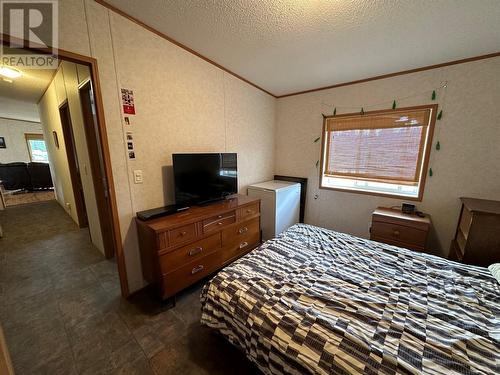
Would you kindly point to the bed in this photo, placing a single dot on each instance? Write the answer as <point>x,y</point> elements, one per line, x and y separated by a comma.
<point>315,301</point>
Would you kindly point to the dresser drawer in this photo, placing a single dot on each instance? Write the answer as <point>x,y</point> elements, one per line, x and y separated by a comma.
<point>162,240</point>
<point>182,234</point>
<point>240,238</point>
<point>399,233</point>
<point>247,211</point>
<point>219,221</point>
<point>237,234</point>
<point>171,261</point>
<point>190,273</point>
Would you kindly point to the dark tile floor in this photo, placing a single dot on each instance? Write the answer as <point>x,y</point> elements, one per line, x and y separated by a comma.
<point>61,310</point>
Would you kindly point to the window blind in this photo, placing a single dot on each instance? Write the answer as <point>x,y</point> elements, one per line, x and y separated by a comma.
<point>382,147</point>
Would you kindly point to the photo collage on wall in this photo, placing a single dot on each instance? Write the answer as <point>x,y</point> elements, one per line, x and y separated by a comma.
<point>128,107</point>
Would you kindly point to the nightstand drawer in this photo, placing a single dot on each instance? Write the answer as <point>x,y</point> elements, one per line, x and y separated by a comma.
<point>399,233</point>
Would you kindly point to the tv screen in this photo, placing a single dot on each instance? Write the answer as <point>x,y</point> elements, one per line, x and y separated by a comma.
<point>202,178</point>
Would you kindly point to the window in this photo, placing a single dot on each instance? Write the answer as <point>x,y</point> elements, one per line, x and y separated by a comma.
<point>380,152</point>
<point>36,148</point>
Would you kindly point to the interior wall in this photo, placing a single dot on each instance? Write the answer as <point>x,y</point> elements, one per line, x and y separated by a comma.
<point>71,82</point>
<point>182,102</point>
<point>63,88</point>
<point>18,110</point>
<point>13,132</point>
<point>466,164</point>
<point>189,106</point>
<point>59,169</point>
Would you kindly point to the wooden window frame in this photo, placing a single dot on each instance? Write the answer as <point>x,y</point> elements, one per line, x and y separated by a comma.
<point>424,164</point>
<point>33,136</point>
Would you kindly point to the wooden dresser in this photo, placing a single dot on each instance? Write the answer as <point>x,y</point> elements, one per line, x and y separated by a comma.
<point>477,238</point>
<point>182,248</point>
<point>393,227</point>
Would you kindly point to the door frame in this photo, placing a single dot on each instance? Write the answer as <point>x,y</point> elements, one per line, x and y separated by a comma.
<point>87,102</point>
<point>101,124</point>
<point>74,168</point>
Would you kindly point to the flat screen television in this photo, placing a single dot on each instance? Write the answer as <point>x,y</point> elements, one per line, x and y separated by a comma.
<point>204,178</point>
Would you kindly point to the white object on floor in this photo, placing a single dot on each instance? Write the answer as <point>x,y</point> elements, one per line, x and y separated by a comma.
<point>280,205</point>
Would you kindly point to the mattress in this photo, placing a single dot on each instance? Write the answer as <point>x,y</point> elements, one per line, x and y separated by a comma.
<point>315,301</point>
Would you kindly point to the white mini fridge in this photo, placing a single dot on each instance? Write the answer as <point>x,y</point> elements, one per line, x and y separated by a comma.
<point>280,206</point>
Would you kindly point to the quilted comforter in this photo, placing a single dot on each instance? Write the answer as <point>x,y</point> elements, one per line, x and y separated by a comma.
<point>314,301</point>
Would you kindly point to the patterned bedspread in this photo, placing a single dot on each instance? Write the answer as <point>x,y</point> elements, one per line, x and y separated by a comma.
<point>321,302</point>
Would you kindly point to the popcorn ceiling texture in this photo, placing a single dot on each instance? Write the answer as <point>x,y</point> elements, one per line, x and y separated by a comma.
<point>287,46</point>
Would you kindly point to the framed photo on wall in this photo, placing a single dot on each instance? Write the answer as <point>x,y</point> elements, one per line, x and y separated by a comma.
<point>2,143</point>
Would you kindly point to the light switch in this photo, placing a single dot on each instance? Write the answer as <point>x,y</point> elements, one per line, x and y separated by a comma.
<point>138,176</point>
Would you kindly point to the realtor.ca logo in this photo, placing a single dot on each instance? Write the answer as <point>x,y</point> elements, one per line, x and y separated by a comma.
<point>30,34</point>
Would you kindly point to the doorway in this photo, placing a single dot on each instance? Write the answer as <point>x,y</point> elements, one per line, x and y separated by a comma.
<point>74,168</point>
<point>97,164</point>
<point>99,159</point>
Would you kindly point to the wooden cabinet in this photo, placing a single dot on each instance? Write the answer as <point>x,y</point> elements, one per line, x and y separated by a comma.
<point>393,227</point>
<point>180,249</point>
<point>477,238</point>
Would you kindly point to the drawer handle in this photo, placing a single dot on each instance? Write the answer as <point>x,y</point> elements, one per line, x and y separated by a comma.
<point>243,244</point>
<point>183,233</point>
<point>196,269</point>
<point>220,223</point>
<point>396,233</point>
<point>243,230</point>
<point>219,217</point>
<point>195,251</point>
<point>249,211</point>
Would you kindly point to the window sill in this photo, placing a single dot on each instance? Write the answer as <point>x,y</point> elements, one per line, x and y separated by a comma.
<point>375,193</point>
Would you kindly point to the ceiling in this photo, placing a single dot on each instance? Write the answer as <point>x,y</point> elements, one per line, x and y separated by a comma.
<point>286,46</point>
<point>18,98</point>
<point>29,87</point>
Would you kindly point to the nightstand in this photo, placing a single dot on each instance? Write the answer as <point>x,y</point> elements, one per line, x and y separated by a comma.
<point>393,227</point>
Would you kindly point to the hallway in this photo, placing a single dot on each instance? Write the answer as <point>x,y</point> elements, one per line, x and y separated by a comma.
<point>62,313</point>
<point>57,292</point>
